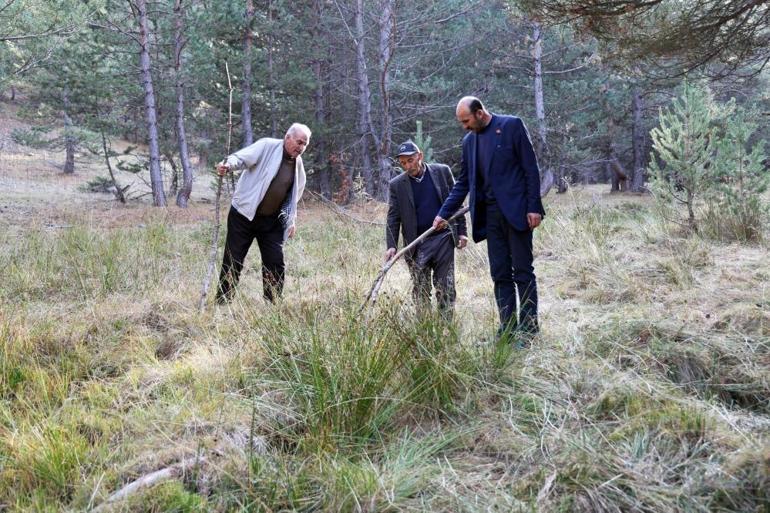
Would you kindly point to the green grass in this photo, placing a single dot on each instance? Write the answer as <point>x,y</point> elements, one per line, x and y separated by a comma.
<point>647,389</point>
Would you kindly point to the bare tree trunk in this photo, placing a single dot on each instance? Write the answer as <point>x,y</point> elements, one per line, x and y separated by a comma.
<point>248,43</point>
<point>156,177</point>
<point>183,195</point>
<point>364,100</point>
<point>619,175</point>
<point>320,119</point>
<point>270,72</point>
<point>537,57</point>
<point>69,140</point>
<point>174,181</point>
<point>541,142</point>
<point>637,179</point>
<point>387,48</point>
<point>119,192</point>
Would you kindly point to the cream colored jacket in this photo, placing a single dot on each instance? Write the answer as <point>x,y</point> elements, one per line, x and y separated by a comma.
<point>260,162</point>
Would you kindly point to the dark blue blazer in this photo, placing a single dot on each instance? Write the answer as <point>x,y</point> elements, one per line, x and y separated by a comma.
<point>513,173</point>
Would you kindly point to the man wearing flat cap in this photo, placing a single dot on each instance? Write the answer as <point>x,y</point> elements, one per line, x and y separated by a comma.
<point>415,199</point>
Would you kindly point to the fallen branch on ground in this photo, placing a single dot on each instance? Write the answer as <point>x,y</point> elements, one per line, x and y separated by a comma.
<point>159,476</point>
<point>341,211</point>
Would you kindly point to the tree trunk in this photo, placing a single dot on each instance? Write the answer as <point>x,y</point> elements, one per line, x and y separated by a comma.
<point>387,48</point>
<point>320,119</point>
<point>270,72</point>
<point>537,57</point>
<point>69,139</point>
<point>637,179</point>
<point>119,192</point>
<point>364,100</point>
<point>541,142</point>
<point>619,175</point>
<point>183,195</point>
<point>174,181</point>
<point>248,43</point>
<point>156,177</point>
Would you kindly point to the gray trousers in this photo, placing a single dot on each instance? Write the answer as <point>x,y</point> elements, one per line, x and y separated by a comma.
<point>434,256</point>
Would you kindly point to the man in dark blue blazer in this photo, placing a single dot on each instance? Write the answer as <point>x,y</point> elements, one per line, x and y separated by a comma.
<point>499,170</point>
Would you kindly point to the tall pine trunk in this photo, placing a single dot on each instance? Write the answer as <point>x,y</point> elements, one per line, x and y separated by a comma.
<point>364,100</point>
<point>270,72</point>
<point>248,44</point>
<point>156,177</point>
<point>183,195</point>
<point>320,64</point>
<point>387,47</point>
<point>541,142</point>
<point>637,179</point>
<point>324,183</point>
<point>537,56</point>
<point>69,139</point>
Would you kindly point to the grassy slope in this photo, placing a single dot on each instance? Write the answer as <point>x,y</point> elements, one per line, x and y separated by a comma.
<point>646,391</point>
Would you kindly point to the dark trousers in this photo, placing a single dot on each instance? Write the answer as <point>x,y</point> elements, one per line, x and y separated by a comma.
<point>510,263</point>
<point>436,256</point>
<point>268,230</point>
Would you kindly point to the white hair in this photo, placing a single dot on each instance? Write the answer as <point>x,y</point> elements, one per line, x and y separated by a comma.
<point>298,127</point>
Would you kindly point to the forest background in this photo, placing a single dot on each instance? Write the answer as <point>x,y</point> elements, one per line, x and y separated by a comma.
<point>364,75</point>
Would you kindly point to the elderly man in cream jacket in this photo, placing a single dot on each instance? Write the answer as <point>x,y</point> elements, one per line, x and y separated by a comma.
<point>264,208</point>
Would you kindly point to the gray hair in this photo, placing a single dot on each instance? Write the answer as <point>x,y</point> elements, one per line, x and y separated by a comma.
<point>299,127</point>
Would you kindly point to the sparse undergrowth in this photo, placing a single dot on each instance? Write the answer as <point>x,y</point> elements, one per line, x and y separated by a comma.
<point>646,391</point>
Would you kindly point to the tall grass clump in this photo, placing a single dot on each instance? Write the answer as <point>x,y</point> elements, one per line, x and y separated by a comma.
<point>349,378</point>
<point>44,460</point>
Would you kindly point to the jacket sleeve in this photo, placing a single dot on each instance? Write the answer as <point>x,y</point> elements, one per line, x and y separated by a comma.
<point>393,224</point>
<point>247,157</point>
<point>460,190</point>
<point>522,144</point>
<point>462,229</point>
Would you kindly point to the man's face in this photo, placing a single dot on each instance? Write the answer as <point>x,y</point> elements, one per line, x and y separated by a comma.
<point>412,164</point>
<point>472,122</point>
<point>295,143</point>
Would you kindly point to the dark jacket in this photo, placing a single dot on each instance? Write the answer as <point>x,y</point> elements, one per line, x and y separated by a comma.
<point>513,173</point>
<point>401,209</point>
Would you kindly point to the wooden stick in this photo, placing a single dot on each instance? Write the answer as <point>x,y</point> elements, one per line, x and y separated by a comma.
<point>148,480</point>
<point>374,291</point>
<point>215,237</point>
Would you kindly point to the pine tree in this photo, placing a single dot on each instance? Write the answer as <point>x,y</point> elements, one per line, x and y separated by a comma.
<point>735,204</point>
<point>685,143</point>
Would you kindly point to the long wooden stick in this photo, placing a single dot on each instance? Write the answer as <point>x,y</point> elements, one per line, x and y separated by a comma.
<point>215,237</point>
<point>375,290</point>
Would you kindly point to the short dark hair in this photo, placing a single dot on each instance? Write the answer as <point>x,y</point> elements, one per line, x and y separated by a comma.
<point>475,105</point>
